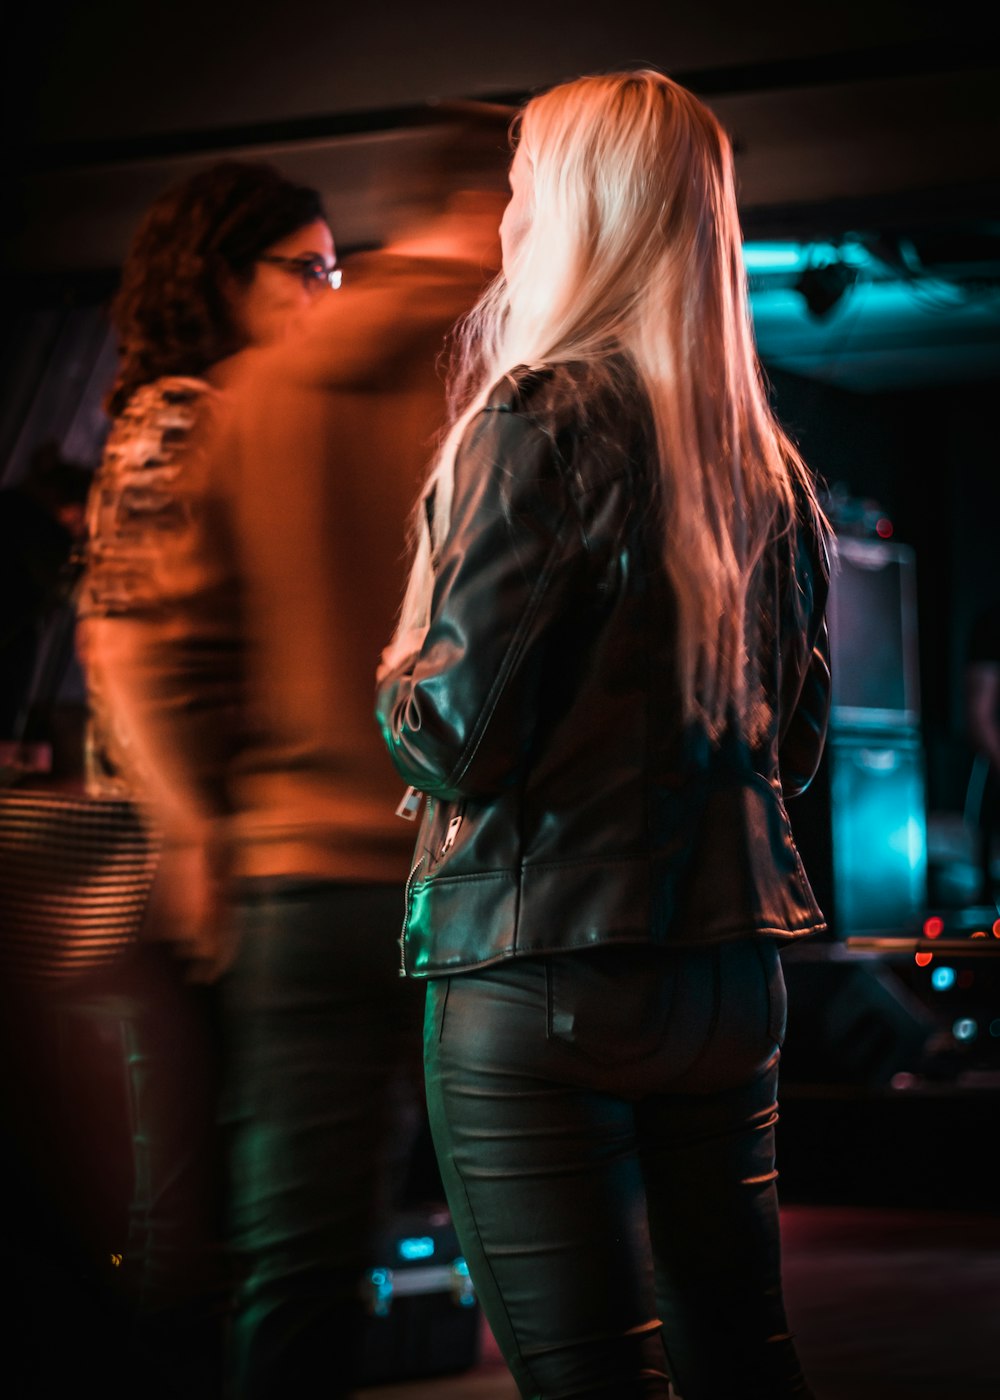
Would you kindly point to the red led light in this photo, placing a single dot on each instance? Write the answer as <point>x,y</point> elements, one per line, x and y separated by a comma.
<point>934,927</point>
<point>996,929</point>
<point>979,933</point>
<point>922,959</point>
<point>883,528</point>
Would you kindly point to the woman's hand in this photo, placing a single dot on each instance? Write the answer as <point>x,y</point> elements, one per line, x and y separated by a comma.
<point>189,905</point>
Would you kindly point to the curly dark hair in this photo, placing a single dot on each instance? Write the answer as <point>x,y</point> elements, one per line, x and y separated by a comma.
<point>170,312</point>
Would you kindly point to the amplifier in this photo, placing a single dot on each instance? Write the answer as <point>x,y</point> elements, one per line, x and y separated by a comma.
<point>862,834</point>
<point>872,615</point>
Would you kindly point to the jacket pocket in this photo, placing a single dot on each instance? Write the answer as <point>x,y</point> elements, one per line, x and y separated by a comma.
<point>445,832</point>
<point>610,1005</point>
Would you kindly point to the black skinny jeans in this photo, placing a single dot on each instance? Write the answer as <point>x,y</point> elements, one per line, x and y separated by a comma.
<point>604,1123</point>
<point>321,1098</point>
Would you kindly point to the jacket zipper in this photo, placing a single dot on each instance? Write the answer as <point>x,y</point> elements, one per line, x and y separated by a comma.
<point>409,805</point>
<point>408,809</point>
<point>406,916</point>
<point>450,835</point>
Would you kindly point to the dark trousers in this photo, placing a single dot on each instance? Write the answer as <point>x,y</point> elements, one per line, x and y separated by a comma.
<point>604,1123</point>
<point>322,1041</point>
<point>170,1043</point>
<point>115,1122</point>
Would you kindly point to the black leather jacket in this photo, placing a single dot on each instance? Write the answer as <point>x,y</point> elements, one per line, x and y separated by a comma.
<point>568,805</point>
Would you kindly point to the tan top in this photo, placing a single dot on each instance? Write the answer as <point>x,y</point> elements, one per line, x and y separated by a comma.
<point>246,684</point>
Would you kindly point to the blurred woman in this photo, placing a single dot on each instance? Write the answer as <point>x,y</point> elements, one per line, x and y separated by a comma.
<point>234,257</point>
<point>609,674</point>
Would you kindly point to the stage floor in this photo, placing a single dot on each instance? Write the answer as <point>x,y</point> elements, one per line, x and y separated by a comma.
<point>891,1221</point>
<point>886,1304</point>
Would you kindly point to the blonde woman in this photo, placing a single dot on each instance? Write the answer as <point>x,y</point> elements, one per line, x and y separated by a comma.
<point>608,676</point>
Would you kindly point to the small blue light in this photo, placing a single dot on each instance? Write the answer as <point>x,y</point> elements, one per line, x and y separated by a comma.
<point>965,1029</point>
<point>380,1291</point>
<point>942,978</point>
<point>995,1027</point>
<point>421,1247</point>
<point>772,257</point>
<point>462,1290</point>
<point>795,257</point>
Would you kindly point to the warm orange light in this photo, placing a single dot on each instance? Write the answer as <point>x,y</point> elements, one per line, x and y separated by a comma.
<point>923,959</point>
<point>979,933</point>
<point>934,927</point>
<point>996,929</point>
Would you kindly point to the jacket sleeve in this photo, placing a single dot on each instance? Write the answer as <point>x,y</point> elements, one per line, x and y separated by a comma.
<point>458,717</point>
<point>158,638</point>
<point>805,697</point>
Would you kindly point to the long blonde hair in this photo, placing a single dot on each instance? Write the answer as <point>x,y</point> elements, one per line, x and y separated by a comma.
<point>634,249</point>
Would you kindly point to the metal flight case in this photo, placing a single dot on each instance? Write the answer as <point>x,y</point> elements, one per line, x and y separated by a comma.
<point>423,1315</point>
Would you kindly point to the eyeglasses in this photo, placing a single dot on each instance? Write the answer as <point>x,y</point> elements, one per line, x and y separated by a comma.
<point>313,271</point>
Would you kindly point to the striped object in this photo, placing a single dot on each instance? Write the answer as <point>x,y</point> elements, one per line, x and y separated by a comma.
<point>75,877</point>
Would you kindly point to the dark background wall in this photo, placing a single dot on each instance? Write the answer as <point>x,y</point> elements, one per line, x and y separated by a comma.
<point>928,458</point>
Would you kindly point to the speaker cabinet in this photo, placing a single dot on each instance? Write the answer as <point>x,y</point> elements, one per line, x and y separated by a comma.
<point>861,831</point>
<point>872,616</point>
